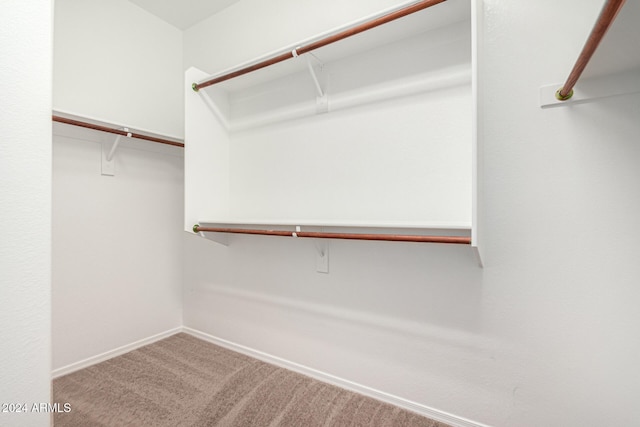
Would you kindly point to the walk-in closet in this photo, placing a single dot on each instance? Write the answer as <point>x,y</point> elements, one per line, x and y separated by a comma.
<point>319,213</point>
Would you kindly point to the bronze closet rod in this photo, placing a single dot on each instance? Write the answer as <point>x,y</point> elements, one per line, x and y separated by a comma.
<point>115,131</point>
<point>350,236</point>
<point>321,43</point>
<point>605,19</point>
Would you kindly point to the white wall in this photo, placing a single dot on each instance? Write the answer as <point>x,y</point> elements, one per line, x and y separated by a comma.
<point>565,183</point>
<point>345,165</point>
<point>117,63</point>
<point>117,244</point>
<point>25,208</point>
<point>250,28</point>
<point>544,334</point>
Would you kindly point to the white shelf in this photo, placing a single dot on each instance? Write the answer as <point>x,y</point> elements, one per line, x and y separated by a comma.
<point>426,51</point>
<point>435,17</point>
<point>396,149</point>
<point>463,227</point>
<point>110,124</point>
<point>220,231</point>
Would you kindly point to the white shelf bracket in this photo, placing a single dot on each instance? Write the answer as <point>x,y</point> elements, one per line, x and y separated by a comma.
<point>322,104</point>
<point>219,238</point>
<point>314,76</point>
<point>108,162</point>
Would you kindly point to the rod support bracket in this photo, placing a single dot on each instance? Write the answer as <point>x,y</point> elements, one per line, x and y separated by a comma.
<point>560,97</point>
<point>195,87</point>
<point>195,228</point>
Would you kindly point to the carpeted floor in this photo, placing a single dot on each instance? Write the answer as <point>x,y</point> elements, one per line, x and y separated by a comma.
<point>184,381</point>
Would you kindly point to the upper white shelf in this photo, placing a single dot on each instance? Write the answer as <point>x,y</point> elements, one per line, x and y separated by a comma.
<point>427,50</point>
<point>438,16</point>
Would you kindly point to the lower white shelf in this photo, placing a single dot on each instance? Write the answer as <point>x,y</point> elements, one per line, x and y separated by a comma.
<point>388,232</point>
<point>260,222</point>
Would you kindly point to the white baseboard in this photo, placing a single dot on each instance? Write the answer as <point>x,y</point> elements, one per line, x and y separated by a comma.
<point>435,414</point>
<point>418,408</point>
<point>113,353</point>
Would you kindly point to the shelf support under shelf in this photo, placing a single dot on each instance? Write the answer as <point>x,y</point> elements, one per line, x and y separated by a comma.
<point>319,80</point>
<point>314,76</point>
<point>108,163</point>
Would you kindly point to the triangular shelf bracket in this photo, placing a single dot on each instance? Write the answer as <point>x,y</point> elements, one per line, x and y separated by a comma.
<point>108,152</point>
<point>319,80</point>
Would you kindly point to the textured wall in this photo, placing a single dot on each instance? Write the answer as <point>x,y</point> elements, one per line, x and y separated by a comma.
<point>25,208</point>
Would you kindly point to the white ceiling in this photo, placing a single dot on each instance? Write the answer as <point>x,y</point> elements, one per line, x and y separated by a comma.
<point>183,13</point>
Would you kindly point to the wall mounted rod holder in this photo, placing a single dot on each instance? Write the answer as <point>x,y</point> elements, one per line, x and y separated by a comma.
<point>605,19</point>
<point>462,240</point>
<point>392,16</point>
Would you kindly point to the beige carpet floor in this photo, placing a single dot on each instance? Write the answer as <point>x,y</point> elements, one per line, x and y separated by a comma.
<point>184,381</point>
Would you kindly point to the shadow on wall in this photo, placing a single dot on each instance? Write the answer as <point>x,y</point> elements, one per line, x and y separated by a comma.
<point>403,287</point>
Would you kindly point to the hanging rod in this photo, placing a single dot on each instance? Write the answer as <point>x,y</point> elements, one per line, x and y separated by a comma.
<point>350,236</point>
<point>322,42</point>
<point>605,19</point>
<point>79,123</point>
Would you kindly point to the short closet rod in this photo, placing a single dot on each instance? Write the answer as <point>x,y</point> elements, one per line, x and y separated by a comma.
<point>607,16</point>
<point>115,131</point>
<point>350,236</point>
<point>323,42</point>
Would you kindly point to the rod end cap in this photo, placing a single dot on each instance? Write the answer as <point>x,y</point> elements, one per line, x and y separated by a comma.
<point>194,87</point>
<point>560,97</point>
<point>195,228</point>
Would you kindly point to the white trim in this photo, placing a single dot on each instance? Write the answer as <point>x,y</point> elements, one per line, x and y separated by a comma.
<point>113,353</point>
<point>418,408</point>
<point>435,414</point>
